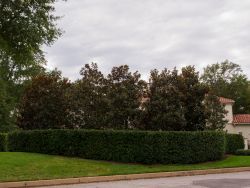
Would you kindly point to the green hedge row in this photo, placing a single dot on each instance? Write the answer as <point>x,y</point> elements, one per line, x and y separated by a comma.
<point>242,152</point>
<point>123,146</point>
<point>3,142</point>
<point>233,143</point>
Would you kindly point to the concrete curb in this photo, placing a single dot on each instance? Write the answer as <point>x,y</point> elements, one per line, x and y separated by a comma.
<point>40,183</point>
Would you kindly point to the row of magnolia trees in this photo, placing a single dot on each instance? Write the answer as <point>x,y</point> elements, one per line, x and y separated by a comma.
<point>172,100</point>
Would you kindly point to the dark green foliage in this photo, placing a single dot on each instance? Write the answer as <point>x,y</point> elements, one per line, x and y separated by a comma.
<point>3,142</point>
<point>99,102</point>
<point>242,152</point>
<point>45,103</point>
<point>124,89</point>
<point>123,146</point>
<point>164,110</point>
<point>175,101</point>
<point>193,95</point>
<point>233,143</point>
<point>88,100</point>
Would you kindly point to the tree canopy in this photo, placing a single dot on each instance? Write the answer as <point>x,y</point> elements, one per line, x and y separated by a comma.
<point>175,101</point>
<point>89,104</point>
<point>25,26</point>
<point>124,91</point>
<point>45,103</point>
<point>227,79</point>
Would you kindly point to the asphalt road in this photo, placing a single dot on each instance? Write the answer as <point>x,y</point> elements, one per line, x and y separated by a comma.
<point>232,180</point>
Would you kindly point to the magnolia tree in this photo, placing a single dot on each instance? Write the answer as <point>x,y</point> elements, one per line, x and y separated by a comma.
<point>101,102</point>
<point>175,101</point>
<point>88,100</point>
<point>164,110</point>
<point>45,104</point>
<point>124,89</point>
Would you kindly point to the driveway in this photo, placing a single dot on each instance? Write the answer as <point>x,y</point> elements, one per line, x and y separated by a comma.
<point>232,180</point>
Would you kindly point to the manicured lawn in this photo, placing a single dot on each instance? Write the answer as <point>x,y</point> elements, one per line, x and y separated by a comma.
<point>29,166</point>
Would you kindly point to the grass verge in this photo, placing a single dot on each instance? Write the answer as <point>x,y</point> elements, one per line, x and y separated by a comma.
<point>29,166</point>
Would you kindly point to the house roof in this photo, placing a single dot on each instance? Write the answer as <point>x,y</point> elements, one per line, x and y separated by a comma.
<point>241,119</point>
<point>226,100</point>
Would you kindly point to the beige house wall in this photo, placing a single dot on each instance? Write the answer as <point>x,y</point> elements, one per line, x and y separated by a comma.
<point>230,128</point>
<point>229,115</point>
<point>243,129</point>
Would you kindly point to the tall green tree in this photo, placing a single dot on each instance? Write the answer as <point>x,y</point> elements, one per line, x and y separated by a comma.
<point>164,110</point>
<point>88,98</point>
<point>6,117</point>
<point>124,89</point>
<point>193,95</point>
<point>111,102</point>
<point>227,79</point>
<point>24,27</point>
<point>175,101</point>
<point>44,104</point>
<point>15,80</point>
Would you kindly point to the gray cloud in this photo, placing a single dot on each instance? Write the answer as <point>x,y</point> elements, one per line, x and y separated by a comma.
<point>147,34</point>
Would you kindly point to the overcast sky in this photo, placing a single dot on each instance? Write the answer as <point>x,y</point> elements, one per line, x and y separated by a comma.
<point>148,34</point>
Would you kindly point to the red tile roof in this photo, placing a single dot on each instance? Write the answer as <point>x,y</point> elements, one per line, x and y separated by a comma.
<point>241,119</point>
<point>226,101</point>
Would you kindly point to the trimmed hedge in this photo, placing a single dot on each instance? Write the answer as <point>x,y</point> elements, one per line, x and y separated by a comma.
<point>3,142</point>
<point>233,143</point>
<point>243,152</point>
<point>123,146</point>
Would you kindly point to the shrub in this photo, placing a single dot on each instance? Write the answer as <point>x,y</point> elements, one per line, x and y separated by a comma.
<point>3,142</point>
<point>123,146</point>
<point>233,143</point>
<point>242,152</point>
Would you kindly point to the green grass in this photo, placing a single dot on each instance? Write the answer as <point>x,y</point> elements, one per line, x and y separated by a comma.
<point>30,166</point>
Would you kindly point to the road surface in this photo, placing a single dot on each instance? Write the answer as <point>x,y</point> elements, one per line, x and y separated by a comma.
<point>232,180</point>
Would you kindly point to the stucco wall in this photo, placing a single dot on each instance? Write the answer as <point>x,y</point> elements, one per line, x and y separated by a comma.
<point>236,129</point>
<point>239,129</point>
<point>244,130</point>
<point>230,128</point>
<point>229,115</point>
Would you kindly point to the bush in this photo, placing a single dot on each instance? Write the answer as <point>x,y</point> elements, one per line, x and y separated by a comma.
<point>123,146</point>
<point>242,152</point>
<point>233,143</point>
<point>3,142</point>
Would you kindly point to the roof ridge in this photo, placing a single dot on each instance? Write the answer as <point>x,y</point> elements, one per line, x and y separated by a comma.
<point>241,118</point>
<point>224,100</point>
